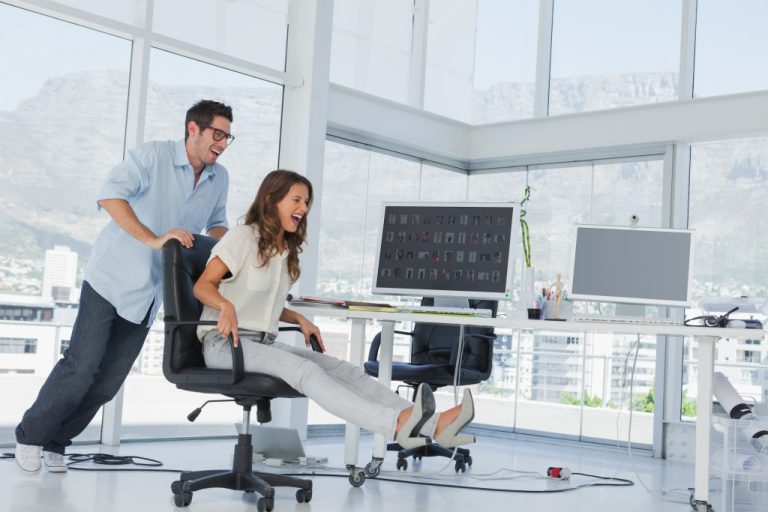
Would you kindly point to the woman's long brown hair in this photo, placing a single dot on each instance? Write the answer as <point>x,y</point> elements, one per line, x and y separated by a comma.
<point>263,214</point>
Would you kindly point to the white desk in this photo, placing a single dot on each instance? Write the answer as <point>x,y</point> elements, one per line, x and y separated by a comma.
<point>705,336</point>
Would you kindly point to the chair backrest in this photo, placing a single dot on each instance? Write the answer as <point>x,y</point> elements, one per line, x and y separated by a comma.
<point>434,343</point>
<point>181,268</point>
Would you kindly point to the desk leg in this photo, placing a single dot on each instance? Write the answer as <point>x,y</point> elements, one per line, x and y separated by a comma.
<point>352,432</point>
<point>703,421</point>
<point>386,349</point>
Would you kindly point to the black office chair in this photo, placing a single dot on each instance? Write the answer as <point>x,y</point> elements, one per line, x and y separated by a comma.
<point>183,365</point>
<point>434,353</point>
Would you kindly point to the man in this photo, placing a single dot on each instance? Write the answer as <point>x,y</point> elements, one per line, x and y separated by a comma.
<point>163,190</point>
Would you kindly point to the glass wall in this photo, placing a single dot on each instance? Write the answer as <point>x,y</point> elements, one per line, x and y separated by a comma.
<point>67,113</point>
<point>69,107</point>
<point>253,30</point>
<point>728,191</point>
<point>730,48</point>
<point>479,63</point>
<point>505,60</point>
<point>371,49</point>
<point>572,384</point>
<point>450,59</point>
<point>604,56</point>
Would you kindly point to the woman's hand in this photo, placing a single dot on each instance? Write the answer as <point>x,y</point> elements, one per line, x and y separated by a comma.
<point>308,329</point>
<point>228,321</point>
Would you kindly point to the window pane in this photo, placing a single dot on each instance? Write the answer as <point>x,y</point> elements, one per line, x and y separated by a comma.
<point>253,30</point>
<point>126,11</point>
<point>505,60</point>
<point>728,191</point>
<point>545,376</point>
<point>438,184</point>
<point>68,111</point>
<point>355,183</point>
<point>176,83</point>
<point>371,48</point>
<point>627,188</point>
<point>448,88</point>
<point>609,361</point>
<point>730,47</point>
<point>610,54</point>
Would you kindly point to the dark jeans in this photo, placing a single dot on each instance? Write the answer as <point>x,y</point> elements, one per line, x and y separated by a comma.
<point>100,355</point>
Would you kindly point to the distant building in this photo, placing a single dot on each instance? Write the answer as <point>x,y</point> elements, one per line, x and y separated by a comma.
<point>59,272</point>
<point>26,308</point>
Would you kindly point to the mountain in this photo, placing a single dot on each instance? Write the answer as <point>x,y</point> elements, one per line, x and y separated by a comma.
<point>60,144</point>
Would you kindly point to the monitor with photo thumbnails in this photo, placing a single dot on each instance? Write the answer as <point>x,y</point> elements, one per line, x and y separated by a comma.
<point>443,250</point>
<point>647,266</point>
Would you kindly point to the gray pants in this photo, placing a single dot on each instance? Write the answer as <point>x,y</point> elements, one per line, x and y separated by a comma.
<point>337,386</point>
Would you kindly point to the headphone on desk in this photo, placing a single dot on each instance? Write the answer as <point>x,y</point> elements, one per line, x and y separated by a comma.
<point>710,320</point>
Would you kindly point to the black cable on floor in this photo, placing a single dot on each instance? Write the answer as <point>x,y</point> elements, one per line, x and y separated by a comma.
<point>118,460</point>
<point>107,459</point>
<point>609,482</point>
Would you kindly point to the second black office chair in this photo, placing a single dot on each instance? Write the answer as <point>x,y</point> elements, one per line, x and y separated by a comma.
<point>183,365</point>
<point>434,353</point>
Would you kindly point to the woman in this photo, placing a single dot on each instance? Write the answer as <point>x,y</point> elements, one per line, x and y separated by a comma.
<point>262,257</point>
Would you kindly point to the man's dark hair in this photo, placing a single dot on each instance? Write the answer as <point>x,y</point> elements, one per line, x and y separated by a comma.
<point>203,112</point>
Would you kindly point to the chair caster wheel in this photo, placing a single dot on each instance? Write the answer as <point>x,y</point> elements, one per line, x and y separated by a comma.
<point>357,478</point>
<point>460,466</point>
<point>402,464</point>
<point>469,460</point>
<point>265,504</point>
<point>177,487</point>
<point>182,499</point>
<point>373,469</point>
<point>304,495</point>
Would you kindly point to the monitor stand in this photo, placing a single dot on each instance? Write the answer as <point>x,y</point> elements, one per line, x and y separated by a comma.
<point>451,302</point>
<point>637,310</point>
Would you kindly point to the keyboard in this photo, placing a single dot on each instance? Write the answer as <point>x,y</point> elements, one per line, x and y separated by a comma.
<point>446,310</point>
<point>637,320</point>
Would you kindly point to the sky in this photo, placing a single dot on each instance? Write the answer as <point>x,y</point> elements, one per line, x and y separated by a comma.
<point>591,37</point>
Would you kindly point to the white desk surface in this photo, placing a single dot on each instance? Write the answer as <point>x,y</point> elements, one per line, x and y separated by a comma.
<point>535,325</point>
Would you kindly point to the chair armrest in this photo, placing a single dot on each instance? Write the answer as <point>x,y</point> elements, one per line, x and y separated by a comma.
<point>373,352</point>
<point>238,367</point>
<point>313,342</point>
<point>489,338</point>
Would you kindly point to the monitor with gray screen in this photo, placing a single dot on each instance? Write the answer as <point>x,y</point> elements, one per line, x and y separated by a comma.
<point>446,250</point>
<point>632,265</point>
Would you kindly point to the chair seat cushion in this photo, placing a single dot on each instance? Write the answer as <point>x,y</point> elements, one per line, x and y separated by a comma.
<point>434,374</point>
<point>207,380</point>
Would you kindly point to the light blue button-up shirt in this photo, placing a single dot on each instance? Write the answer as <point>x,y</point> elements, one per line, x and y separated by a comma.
<point>157,180</point>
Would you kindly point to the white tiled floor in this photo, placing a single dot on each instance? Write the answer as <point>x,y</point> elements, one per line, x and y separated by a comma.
<point>83,491</point>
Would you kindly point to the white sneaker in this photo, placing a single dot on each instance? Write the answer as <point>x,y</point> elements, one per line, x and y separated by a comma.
<point>28,457</point>
<point>54,462</point>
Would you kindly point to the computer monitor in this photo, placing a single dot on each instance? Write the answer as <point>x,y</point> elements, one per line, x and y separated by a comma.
<point>461,250</point>
<point>632,265</point>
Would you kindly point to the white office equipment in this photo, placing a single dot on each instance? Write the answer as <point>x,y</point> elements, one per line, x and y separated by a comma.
<point>447,310</point>
<point>632,265</point>
<point>623,319</point>
<point>447,250</point>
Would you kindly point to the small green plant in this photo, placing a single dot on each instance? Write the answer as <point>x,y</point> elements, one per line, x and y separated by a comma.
<point>525,235</point>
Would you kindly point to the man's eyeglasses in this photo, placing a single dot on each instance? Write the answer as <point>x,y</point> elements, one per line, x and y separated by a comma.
<point>219,135</point>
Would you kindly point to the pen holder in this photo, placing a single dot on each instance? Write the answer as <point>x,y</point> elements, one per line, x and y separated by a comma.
<point>534,313</point>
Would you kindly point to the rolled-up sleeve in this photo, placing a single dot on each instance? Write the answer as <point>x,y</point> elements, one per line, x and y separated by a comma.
<point>126,180</point>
